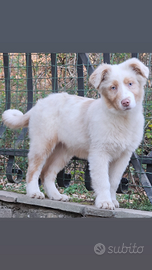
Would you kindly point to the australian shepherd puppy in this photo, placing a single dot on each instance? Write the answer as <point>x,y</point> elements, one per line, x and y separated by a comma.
<point>104,131</point>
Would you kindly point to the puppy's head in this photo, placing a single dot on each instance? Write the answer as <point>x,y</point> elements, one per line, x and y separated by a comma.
<point>122,86</point>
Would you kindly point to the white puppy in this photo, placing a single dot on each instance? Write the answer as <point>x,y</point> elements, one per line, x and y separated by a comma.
<point>104,131</point>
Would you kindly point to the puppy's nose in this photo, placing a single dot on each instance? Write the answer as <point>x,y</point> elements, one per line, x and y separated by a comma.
<point>125,102</point>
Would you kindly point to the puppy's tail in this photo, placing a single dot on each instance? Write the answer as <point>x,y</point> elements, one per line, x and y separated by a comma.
<point>15,119</point>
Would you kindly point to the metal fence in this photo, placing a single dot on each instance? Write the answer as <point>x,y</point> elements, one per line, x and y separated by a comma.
<point>24,78</point>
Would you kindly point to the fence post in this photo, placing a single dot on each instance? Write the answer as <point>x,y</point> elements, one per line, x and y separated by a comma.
<point>54,73</point>
<point>29,81</point>
<point>7,88</point>
<point>29,95</point>
<point>86,63</point>
<point>106,58</point>
<point>149,167</point>
<point>80,76</point>
<point>9,169</point>
<point>7,81</point>
<point>134,55</point>
<point>145,178</point>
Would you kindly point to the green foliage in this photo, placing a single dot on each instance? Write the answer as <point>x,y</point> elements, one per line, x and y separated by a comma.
<point>75,188</point>
<point>117,58</point>
<point>133,202</point>
<point>77,200</point>
<point>80,174</point>
<point>148,131</point>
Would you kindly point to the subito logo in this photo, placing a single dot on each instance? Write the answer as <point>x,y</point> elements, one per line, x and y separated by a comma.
<point>99,249</point>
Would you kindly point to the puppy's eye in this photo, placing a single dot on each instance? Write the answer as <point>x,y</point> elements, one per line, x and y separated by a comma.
<point>113,87</point>
<point>130,84</point>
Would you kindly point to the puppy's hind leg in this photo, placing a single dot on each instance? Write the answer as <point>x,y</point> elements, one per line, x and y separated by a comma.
<point>54,164</point>
<point>35,166</point>
<point>37,157</point>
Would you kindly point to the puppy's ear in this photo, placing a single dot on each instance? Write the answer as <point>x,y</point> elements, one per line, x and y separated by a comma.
<point>99,75</point>
<point>139,68</point>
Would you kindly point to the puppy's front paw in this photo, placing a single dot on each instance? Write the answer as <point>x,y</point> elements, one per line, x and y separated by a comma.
<point>64,198</point>
<point>37,195</point>
<point>103,204</point>
<point>59,197</point>
<point>116,203</point>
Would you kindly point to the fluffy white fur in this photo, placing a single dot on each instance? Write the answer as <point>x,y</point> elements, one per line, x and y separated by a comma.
<point>105,131</point>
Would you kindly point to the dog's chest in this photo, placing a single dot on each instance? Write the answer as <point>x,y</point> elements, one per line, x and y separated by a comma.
<point>116,137</point>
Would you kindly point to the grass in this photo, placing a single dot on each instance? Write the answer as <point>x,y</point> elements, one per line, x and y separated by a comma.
<point>134,201</point>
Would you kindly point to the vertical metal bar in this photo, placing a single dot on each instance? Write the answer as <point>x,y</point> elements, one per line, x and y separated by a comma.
<point>134,55</point>
<point>106,58</point>
<point>60,176</point>
<point>80,76</point>
<point>87,177</point>
<point>142,175</point>
<point>54,73</point>
<point>7,106</point>
<point>83,59</point>
<point>29,81</point>
<point>9,169</point>
<point>22,135</point>
<point>149,172</point>
<point>86,63</point>
<point>7,81</point>
<point>149,168</point>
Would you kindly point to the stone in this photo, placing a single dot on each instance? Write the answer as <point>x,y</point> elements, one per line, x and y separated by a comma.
<point>5,213</point>
<point>131,213</point>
